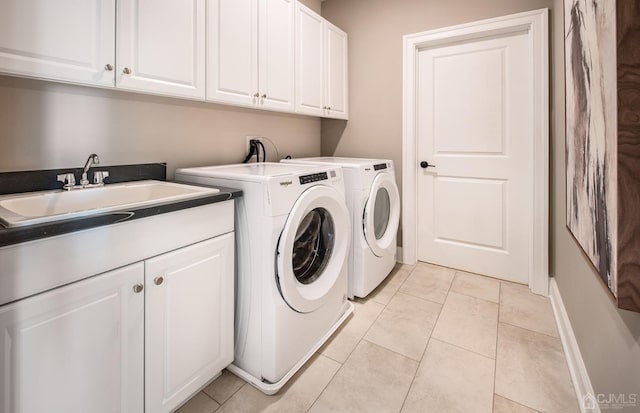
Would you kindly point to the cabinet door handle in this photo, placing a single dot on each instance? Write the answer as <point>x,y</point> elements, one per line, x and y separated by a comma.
<point>158,280</point>
<point>108,67</point>
<point>264,95</point>
<point>256,95</point>
<point>138,288</point>
<point>126,71</point>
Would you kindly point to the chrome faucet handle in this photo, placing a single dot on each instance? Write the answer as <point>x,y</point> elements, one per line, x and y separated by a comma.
<point>99,176</point>
<point>92,160</point>
<point>68,179</point>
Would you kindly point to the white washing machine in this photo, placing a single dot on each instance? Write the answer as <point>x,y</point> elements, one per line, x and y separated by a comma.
<point>293,238</point>
<point>373,199</point>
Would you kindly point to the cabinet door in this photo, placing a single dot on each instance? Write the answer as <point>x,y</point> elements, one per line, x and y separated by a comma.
<point>309,62</point>
<point>232,51</point>
<point>189,320</point>
<point>160,46</point>
<point>336,61</point>
<point>68,40</point>
<point>77,348</point>
<point>276,54</point>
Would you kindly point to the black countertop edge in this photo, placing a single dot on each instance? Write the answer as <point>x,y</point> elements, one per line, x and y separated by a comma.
<point>16,235</point>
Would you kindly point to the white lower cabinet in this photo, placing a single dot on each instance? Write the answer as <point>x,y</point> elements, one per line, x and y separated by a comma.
<point>143,337</point>
<point>77,348</point>
<point>188,303</point>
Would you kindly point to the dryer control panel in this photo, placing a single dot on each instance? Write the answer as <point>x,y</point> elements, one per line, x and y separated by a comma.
<point>380,166</point>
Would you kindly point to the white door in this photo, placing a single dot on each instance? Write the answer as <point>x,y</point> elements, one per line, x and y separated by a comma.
<point>310,69</point>
<point>336,73</point>
<point>232,51</point>
<point>474,133</point>
<point>66,40</point>
<point>75,349</point>
<point>313,248</point>
<point>160,46</point>
<point>188,320</point>
<point>276,54</point>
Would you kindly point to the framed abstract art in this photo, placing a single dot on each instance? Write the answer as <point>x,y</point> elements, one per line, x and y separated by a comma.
<point>602,69</point>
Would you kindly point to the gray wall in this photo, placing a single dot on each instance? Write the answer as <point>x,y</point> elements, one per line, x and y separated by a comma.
<point>52,125</point>
<point>609,339</point>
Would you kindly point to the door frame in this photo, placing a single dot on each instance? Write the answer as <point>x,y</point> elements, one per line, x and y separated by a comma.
<point>535,24</point>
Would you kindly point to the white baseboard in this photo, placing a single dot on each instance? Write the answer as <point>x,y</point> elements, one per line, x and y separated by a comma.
<point>577,368</point>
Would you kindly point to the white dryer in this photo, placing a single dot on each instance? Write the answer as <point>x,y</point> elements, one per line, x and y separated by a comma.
<point>373,199</point>
<point>293,238</point>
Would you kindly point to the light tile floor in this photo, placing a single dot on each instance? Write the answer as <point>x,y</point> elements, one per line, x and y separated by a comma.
<point>429,339</point>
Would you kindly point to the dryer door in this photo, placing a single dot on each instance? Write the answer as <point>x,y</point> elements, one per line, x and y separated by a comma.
<point>313,248</point>
<point>382,215</point>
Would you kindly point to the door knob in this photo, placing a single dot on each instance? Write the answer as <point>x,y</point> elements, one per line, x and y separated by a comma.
<point>138,288</point>
<point>126,71</point>
<point>425,164</point>
<point>158,280</point>
<point>108,67</point>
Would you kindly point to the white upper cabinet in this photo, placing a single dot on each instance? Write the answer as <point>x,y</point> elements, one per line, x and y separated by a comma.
<point>336,89</point>
<point>266,54</point>
<point>276,54</point>
<point>67,40</point>
<point>160,47</point>
<point>232,57</point>
<point>309,62</point>
<point>251,53</point>
<point>321,66</point>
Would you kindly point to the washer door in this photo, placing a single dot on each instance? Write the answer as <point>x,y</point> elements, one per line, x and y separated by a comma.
<point>313,248</point>
<point>382,215</point>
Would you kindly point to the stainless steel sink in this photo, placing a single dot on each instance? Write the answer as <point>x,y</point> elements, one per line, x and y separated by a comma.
<point>48,206</point>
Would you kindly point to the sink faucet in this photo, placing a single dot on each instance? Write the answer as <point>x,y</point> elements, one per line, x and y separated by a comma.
<point>92,160</point>
<point>69,179</point>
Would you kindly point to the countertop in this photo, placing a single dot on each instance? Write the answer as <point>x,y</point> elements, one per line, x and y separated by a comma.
<point>10,236</point>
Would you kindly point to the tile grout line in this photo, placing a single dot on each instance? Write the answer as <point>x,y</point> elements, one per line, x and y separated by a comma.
<point>426,299</point>
<point>404,401</point>
<point>518,403</point>
<point>328,382</point>
<point>528,329</point>
<point>358,343</point>
<point>456,345</point>
<point>421,298</point>
<point>495,361</point>
<point>211,398</point>
<point>461,348</point>
<point>385,307</point>
<point>234,393</point>
<point>475,296</point>
<point>496,367</point>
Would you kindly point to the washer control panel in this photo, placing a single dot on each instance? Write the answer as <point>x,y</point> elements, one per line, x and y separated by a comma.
<point>305,179</point>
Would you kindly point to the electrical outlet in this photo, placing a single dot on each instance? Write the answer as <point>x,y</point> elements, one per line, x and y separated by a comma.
<point>249,139</point>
